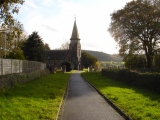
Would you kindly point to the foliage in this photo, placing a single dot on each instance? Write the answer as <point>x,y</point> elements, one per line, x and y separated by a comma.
<point>148,80</point>
<point>8,24</point>
<point>157,61</point>
<point>136,28</point>
<point>88,60</point>
<point>64,46</point>
<point>7,8</point>
<point>38,99</point>
<point>11,43</point>
<point>68,65</point>
<point>16,54</point>
<point>19,40</point>
<point>46,46</point>
<point>97,64</point>
<point>33,48</point>
<point>135,61</point>
<point>139,104</point>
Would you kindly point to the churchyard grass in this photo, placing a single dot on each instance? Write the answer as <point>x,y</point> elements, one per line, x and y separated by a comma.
<point>139,104</point>
<point>38,99</point>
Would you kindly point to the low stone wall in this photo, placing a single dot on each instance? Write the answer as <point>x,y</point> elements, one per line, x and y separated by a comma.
<point>12,80</point>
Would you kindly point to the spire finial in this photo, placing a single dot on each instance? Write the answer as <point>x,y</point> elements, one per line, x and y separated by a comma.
<point>75,34</point>
<point>75,17</point>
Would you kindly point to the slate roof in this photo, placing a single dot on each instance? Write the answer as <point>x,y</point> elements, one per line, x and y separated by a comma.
<point>75,34</point>
<point>56,54</point>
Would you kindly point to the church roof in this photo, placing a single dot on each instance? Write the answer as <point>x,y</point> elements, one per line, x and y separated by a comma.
<point>75,34</point>
<point>56,54</point>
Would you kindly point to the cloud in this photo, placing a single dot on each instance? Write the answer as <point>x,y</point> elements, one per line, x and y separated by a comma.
<point>54,19</point>
<point>47,2</point>
<point>31,4</point>
<point>49,28</point>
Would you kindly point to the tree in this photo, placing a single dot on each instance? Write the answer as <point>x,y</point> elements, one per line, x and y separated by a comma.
<point>7,22</point>
<point>64,46</point>
<point>88,60</point>
<point>7,8</point>
<point>33,48</point>
<point>135,61</point>
<point>136,28</point>
<point>21,40</point>
<point>11,28</point>
<point>46,46</point>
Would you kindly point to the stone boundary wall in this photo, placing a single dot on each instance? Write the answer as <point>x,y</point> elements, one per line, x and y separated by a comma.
<point>12,80</point>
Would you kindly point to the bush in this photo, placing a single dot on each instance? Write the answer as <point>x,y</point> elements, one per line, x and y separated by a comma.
<point>68,66</point>
<point>150,81</point>
<point>16,54</point>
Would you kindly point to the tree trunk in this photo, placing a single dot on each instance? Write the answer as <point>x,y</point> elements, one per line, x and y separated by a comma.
<point>149,60</point>
<point>149,53</point>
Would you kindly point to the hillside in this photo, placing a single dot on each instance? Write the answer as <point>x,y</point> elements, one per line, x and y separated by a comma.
<point>101,56</point>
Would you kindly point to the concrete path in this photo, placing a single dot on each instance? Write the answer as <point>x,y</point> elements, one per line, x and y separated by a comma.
<point>84,103</point>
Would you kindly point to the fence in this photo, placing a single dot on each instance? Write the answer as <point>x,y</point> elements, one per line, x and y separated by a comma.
<point>9,66</point>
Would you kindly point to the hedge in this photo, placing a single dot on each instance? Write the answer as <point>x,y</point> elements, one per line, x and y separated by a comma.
<point>146,80</point>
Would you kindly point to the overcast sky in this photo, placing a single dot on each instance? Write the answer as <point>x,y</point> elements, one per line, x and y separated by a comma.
<point>54,19</point>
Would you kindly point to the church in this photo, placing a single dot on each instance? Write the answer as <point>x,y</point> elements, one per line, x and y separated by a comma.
<point>55,58</point>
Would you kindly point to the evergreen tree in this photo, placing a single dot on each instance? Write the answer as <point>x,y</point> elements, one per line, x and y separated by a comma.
<point>88,60</point>
<point>33,48</point>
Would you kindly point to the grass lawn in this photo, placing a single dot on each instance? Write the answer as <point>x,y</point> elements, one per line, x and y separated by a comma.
<point>38,99</point>
<point>139,104</point>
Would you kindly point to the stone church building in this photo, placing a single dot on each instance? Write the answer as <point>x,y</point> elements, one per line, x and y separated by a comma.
<point>55,58</point>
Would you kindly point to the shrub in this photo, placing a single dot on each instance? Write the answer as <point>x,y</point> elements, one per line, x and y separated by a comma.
<point>16,54</point>
<point>68,66</point>
<point>150,81</point>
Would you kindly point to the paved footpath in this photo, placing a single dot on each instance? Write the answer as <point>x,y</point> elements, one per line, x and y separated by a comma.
<point>84,103</point>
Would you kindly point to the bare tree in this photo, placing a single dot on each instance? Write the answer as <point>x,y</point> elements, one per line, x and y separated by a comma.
<point>64,46</point>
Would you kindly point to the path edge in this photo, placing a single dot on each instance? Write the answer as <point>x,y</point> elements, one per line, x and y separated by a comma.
<point>124,115</point>
<point>61,105</point>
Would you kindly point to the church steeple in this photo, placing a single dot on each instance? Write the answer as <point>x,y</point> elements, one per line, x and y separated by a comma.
<point>75,48</point>
<point>75,34</point>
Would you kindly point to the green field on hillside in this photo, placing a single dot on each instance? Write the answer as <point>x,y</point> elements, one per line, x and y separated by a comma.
<point>107,64</point>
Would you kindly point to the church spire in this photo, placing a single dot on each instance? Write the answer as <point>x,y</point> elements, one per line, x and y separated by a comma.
<point>75,34</point>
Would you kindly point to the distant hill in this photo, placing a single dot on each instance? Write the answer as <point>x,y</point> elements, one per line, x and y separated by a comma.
<point>101,56</point>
